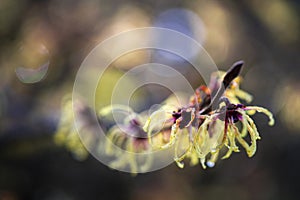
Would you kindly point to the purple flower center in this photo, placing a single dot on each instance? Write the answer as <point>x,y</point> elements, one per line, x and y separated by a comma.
<point>232,115</point>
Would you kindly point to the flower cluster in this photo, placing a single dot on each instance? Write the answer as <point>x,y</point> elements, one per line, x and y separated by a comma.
<point>129,136</point>
<point>66,133</point>
<point>213,122</point>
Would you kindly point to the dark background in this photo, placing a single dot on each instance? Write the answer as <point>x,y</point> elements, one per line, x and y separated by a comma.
<point>265,34</point>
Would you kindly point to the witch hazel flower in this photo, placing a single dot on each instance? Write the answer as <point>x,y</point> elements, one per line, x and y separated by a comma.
<point>214,121</point>
<point>126,135</point>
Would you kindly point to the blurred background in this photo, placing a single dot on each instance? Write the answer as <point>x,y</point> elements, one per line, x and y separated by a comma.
<point>43,43</point>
